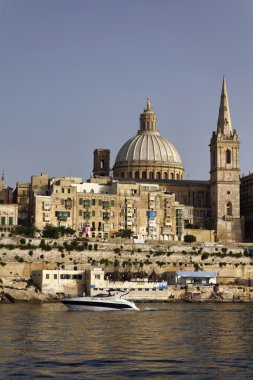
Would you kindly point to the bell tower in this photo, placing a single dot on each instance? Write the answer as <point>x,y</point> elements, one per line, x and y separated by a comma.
<point>225,175</point>
<point>101,164</point>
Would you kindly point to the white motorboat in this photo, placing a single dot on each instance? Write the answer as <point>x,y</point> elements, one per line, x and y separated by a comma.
<point>99,302</point>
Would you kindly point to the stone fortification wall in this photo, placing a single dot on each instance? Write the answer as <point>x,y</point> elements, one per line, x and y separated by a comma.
<point>229,262</point>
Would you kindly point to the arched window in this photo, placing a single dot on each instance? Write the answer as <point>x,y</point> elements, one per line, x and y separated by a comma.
<point>158,175</point>
<point>102,164</point>
<point>228,156</point>
<point>136,174</point>
<point>229,209</point>
<point>165,175</point>
<point>122,175</point>
<point>177,175</point>
<point>144,175</point>
<point>151,175</point>
<point>171,175</point>
<point>130,175</point>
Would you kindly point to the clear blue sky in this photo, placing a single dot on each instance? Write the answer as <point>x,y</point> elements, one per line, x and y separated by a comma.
<point>75,75</point>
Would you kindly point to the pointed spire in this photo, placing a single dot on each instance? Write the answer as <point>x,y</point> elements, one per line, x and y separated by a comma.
<point>224,125</point>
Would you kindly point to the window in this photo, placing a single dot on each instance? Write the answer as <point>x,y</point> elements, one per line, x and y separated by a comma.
<point>158,175</point>
<point>229,209</point>
<point>165,175</point>
<point>93,213</point>
<point>68,203</point>
<point>151,175</point>
<point>47,276</point>
<point>62,190</point>
<point>106,204</point>
<point>93,202</point>
<point>102,164</point>
<point>3,220</point>
<point>10,220</point>
<point>68,191</point>
<point>112,203</point>
<point>80,201</point>
<point>136,174</point>
<point>97,276</point>
<point>55,276</point>
<point>228,156</point>
<point>144,175</point>
<point>86,215</point>
<point>80,213</point>
<point>86,203</point>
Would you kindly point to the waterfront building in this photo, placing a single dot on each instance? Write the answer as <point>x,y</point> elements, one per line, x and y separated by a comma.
<point>92,282</point>
<point>181,277</point>
<point>59,281</point>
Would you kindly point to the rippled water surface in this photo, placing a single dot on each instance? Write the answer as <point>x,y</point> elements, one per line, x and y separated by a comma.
<point>166,341</point>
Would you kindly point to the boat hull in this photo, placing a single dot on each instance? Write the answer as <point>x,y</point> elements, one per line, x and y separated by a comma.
<point>85,303</point>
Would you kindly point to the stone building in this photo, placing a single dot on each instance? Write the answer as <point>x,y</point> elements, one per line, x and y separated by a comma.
<point>215,203</point>
<point>246,191</point>
<point>8,218</point>
<point>21,197</point>
<point>147,193</point>
<point>101,210</point>
<point>5,193</point>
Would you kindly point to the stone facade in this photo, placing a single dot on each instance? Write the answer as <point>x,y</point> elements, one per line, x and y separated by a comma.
<point>246,191</point>
<point>21,196</point>
<point>8,218</point>
<point>225,176</point>
<point>100,211</point>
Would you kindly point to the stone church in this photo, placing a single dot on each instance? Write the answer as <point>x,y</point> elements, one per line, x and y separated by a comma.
<point>150,158</point>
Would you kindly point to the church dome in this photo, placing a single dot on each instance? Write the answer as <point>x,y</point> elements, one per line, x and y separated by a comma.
<point>148,147</point>
<point>148,154</point>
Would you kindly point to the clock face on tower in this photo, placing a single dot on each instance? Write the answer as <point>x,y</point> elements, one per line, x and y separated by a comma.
<point>227,175</point>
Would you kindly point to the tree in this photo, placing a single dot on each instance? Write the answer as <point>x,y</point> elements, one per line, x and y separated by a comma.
<point>126,234</point>
<point>51,232</point>
<point>190,238</point>
<point>25,231</point>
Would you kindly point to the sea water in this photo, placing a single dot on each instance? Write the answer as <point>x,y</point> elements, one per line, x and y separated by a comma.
<point>161,341</point>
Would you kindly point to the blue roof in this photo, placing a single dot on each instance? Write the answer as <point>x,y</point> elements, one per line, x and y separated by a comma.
<point>201,274</point>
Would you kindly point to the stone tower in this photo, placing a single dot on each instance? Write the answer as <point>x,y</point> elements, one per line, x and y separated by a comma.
<point>225,175</point>
<point>101,167</point>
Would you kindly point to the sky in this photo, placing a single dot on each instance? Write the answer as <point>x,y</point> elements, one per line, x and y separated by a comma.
<point>75,76</point>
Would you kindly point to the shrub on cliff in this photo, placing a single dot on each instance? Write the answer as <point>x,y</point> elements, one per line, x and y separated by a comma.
<point>204,256</point>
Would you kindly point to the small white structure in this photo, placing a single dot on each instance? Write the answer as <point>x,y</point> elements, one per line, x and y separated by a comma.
<point>137,289</point>
<point>181,277</point>
<point>60,281</point>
